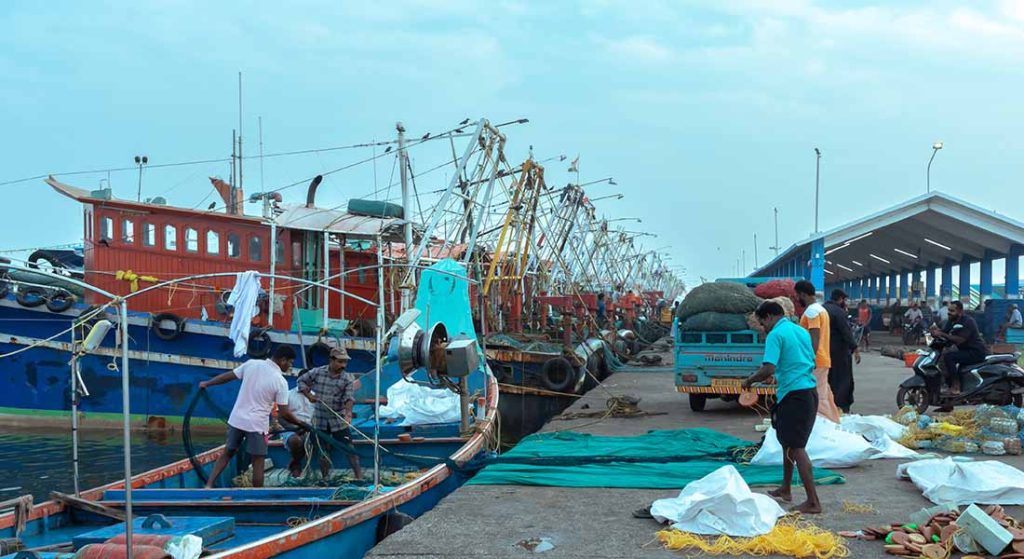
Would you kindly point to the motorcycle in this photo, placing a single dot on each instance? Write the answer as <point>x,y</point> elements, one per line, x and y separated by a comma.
<point>997,380</point>
<point>912,334</point>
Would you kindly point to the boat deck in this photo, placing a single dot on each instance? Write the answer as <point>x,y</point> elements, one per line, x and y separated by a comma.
<point>499,521</point>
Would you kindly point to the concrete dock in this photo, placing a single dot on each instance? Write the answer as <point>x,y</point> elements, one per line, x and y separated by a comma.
<point>500,521</point>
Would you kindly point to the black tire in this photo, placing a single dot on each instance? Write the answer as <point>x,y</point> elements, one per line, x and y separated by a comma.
<point>917,396</point>
<point>558,375</point>
<point>315,349</point>
<point>167,334</point>
<point>391,522</point>
<point>5,288</point>
<point>259,344</point>
<point>698,402</point>
<point>59,301</point>
<point>31,296</point>
<point>1017,400</point>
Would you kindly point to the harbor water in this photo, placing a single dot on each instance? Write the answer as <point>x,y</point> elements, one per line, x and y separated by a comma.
<point>37,461</point>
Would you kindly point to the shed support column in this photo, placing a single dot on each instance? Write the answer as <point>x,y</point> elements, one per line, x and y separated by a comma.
<point>1013,271</point>
<point>947,280</point>
<point>965,280</point>
<point>892,294</point>
<point>986,275</point>
<point>817,264</point>
<point>883,290</point>
<point>929,285</point>
<point>904,294</point>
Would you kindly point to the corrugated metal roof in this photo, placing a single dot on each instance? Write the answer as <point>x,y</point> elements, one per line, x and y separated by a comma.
<point>342,223</point>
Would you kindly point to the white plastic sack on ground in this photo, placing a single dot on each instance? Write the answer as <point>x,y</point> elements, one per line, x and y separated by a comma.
<point>719,503</point>
<point>420,404</point>
<point>873,427</point>
<point>962,483</point>
<point>830,446</point>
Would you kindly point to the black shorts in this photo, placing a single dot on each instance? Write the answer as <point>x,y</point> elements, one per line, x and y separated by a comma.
<point>793,417</point>
<point>255,443</point>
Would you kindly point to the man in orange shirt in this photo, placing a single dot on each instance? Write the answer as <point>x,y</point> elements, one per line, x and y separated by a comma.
<point>816,321</point>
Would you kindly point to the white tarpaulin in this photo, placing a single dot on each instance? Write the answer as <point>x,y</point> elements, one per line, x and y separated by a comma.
<point>873,427</point>
<point>944,481</point>
<point>719,503</point>
<point>831,446</point>
<point>419,404</point>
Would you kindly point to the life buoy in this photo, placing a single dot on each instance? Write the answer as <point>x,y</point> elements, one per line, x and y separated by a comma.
<point>313,350</point>
<point>31,296</point>
<point>59,300</point>
<point>167,333</point>
<point>259,344</point>
<point>558,375</point>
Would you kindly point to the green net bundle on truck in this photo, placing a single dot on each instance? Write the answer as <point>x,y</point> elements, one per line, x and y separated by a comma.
<point>717,307</point>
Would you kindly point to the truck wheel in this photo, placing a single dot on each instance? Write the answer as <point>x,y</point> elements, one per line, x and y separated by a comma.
<point>697,402</point>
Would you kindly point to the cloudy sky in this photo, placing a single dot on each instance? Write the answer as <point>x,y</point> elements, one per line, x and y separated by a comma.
<point>707,113</point>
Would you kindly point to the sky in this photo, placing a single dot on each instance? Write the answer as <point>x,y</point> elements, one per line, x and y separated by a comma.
<point>706,113</point>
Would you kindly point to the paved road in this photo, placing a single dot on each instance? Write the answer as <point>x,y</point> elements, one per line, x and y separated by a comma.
<point>489,521</point>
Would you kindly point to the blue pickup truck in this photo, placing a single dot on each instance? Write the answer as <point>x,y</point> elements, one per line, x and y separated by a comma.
<point>714,364</point>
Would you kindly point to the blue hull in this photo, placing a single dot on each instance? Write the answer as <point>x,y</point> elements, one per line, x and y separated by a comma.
<point>163,373</point>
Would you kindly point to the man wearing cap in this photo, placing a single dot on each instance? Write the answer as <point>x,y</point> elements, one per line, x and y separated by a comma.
<point>333,392</point>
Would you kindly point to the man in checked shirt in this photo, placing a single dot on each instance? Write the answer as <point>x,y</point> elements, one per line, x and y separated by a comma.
<point>331,388</point>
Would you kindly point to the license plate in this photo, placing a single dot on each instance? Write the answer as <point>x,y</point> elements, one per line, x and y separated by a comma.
<point>731,382</point>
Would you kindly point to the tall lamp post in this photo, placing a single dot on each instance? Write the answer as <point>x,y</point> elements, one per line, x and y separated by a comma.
<point>935,149</point>
<point>817,185</point>
<point>140,160</point>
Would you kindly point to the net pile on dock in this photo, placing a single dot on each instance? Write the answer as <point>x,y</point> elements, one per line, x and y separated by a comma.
<point>987,429</point>
<point>717,307</point>
<point>789,537</point>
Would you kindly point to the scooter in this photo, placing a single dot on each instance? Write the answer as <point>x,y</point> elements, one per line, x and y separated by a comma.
<point>997,380</point>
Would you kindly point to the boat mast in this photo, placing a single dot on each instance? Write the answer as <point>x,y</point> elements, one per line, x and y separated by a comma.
<point>410,280</point>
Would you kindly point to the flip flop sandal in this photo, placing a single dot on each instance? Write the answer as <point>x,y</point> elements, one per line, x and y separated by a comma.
<point>643,513</point>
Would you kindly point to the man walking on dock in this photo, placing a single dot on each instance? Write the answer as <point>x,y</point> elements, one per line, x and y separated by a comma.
<point>788,356</point>
<point>815,320</point>
<point>263,385</point>
<point>333,392</point>
<point>842,349</point>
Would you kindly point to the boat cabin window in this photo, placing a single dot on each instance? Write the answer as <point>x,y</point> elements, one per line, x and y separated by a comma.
<point>170,237</point>
<point>127,231</point>
<point>149,234</point>
<point>88,225</point>
<point>296,255</point>
<point>234,245</point>
<point>191,240</point>
<point>279,257</point>
<point>107,229</point>
<point>212,242</point>
<point>255,248</point>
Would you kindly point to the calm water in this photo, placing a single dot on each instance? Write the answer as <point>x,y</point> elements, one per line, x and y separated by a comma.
<point>38,461</point>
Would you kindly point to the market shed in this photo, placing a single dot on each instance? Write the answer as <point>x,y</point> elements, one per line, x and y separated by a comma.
<point>896,254</point>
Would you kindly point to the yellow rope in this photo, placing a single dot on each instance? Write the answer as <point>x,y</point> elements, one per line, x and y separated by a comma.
<point>790,537</point>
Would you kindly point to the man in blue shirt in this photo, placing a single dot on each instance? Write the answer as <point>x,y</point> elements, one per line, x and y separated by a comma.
<point>789,356</point>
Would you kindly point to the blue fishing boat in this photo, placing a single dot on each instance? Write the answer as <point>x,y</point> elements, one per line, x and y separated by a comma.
<point>162,512</point>
<point>321,290</point>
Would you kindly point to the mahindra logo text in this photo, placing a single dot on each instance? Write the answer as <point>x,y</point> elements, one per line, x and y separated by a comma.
<point>720,358</point>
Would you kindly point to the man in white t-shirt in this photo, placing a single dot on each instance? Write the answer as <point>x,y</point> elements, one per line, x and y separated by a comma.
<point>262,387</point>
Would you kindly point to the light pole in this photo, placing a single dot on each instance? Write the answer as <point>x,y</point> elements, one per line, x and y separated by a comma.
<point>935,149</point>
<point>140,160</point>
<point>817,185</point>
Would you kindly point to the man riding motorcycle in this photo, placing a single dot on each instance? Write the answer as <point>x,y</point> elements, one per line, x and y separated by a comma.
<point>962,331</point>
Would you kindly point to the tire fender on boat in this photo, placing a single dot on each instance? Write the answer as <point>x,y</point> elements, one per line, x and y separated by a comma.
<point>391,522</point>
<point>318,347</point>
<point>31,296</point>
<point>59,300</point>
<point>558,375</point>
<point>164,333</point>
<point>259,344</point>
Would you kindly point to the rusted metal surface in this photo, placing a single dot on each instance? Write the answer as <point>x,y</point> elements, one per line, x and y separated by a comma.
<point>515,389</point>
<point>516,356</point>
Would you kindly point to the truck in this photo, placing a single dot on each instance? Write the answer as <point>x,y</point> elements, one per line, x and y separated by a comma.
<point>714,364</point>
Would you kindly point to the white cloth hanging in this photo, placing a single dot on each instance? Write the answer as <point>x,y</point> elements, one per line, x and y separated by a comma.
<point>243,298</point>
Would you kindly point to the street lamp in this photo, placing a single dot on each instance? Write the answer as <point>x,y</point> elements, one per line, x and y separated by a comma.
<point>935,149</point>
<point>140,160</point>
<point>636,219</point>
<point>817,182</point>
<point>616,196</point>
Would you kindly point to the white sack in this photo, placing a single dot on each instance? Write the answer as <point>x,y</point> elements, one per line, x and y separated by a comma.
<point>185,547</point>
<point>944,481</point>
<point>830,446</point>
<point>719,503</point>
<point>873,427</point>
<point>420,404</point>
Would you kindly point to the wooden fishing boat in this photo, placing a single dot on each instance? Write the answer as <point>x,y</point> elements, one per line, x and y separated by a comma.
<point>253,522</point>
